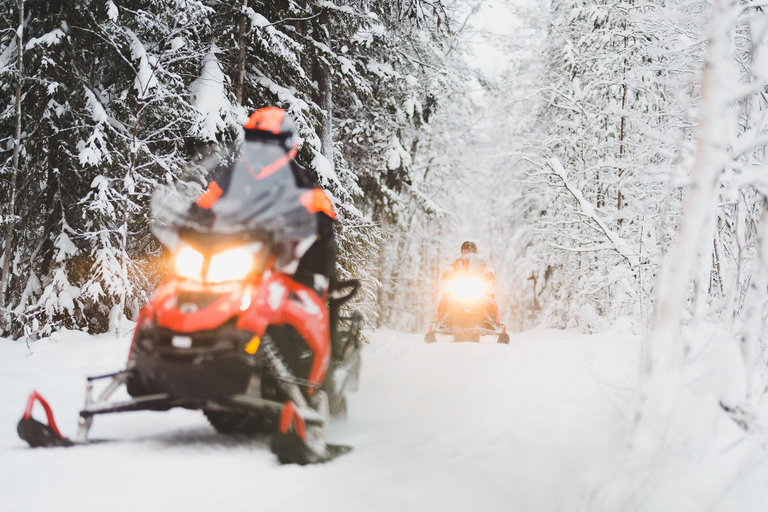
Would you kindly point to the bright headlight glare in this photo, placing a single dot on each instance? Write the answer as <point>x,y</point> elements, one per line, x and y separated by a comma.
<point>188,264</point>
<point>467,288</point>
<point>232,265</point>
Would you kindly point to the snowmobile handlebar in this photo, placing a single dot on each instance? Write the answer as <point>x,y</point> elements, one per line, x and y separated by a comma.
<point>342,285</point>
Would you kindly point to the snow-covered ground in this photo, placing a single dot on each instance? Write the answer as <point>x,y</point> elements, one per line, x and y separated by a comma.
<point>434,427</point>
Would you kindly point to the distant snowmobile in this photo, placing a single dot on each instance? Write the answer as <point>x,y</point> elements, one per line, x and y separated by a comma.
<point>231,331</point>
<point>468,309</point>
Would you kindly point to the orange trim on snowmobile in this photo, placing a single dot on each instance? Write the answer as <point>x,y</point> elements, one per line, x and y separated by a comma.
<point>290,417</point>
<point>208,198</point>
<point>267,119</point>
<point>316,200</point>
<point>495,310</point>
<point>169,316</point>
<point>270,169</point>
<point>48,411</point>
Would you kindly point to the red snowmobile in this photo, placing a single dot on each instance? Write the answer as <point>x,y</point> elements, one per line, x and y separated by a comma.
<point>229,331</point>
<point>467,309</point>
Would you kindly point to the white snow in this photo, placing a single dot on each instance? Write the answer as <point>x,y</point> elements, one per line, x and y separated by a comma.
<point>65,247</point>
<point>434,427</point>
<point>397,156</point>
<point>383,71</point>
<point>257,20</point>
<point>91,152</point>
<point>340,8</point>
<point>284,95</point>
<point>347,65</point>
<point>112,11</point>
<point>536,425</point>
<point>49,39</point>
<point>94,105</point>
<point>177,42</point>
<point>8,56</point>
<point>210,97</point>
<point>89,156</point>
<point>324,169</point>
<point>145,76</point>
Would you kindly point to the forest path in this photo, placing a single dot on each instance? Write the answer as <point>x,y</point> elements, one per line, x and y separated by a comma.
<point>434,427</point>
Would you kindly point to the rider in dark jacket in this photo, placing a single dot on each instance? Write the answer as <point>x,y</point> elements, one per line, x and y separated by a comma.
<point>272,125</point>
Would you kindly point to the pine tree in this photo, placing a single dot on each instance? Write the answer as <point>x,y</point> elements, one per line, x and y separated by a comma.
<point>111,118</point>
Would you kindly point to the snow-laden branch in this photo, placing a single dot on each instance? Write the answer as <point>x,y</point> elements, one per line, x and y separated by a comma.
<point>617,243</point>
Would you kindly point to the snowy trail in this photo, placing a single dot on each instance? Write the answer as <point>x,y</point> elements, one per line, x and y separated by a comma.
<point>434,427</point>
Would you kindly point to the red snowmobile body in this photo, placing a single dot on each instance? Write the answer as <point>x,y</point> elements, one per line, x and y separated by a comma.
<point>229,332</point>
<point>223,328</point>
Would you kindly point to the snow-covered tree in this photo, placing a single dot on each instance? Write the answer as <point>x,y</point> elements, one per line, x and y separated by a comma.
<point>116,96</point>
<point>605,106</point>
<point>107,115</point>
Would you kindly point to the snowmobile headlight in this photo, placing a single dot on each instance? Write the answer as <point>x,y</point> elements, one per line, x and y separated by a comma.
<point>188,264</point>
<point>233,264</point>
<point>467,288</point>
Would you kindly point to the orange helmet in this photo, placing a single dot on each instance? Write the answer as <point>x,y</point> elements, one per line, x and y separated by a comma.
<point>272,121</point>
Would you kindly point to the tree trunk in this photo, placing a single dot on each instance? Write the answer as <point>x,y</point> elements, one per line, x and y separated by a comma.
<point>322,75</point>
<point>622,130</point>
<point>698,221</point>
<point>241,54</point>
<point>16,151</point>
<point>755,302</point>
<point>668,348</point>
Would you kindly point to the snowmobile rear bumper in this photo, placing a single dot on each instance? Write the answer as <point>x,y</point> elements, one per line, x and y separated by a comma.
<point>476,330</point>
<point>467,333</point>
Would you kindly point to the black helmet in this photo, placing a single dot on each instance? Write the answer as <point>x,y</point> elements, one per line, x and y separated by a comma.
<point>468,247</point>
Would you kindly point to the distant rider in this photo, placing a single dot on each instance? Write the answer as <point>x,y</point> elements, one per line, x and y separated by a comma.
<point>473,263</point>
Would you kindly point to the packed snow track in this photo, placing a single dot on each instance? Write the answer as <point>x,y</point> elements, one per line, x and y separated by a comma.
<point>446,426</point>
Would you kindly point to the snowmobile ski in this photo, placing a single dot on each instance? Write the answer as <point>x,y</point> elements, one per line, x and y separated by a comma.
<point>38,434</point>
<point>302,442</point>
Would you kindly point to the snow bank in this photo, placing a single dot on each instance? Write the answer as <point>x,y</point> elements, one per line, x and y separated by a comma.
<point>687,453</point>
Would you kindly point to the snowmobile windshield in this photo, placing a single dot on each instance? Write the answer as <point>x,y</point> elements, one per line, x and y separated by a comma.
<point>253,195</point>
<point>472,263</point>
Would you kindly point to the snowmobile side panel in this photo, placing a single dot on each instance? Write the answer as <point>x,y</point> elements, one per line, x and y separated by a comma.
<point>280,300</point>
